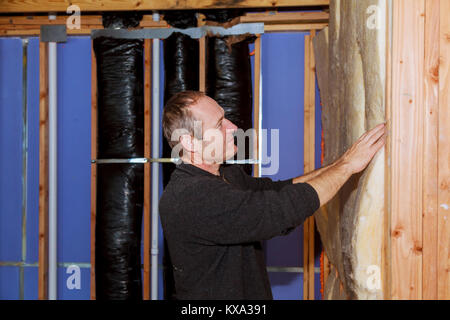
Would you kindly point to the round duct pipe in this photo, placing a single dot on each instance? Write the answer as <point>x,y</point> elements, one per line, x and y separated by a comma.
<point>119,185</point>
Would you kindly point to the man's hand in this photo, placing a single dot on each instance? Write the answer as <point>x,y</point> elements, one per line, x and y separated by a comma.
<point>364,149</point>
<point>354,160</point>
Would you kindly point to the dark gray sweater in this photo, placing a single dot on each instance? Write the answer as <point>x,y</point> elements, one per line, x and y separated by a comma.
<point>214,228</point>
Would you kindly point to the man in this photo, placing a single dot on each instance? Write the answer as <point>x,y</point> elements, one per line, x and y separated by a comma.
<point>215,218</point>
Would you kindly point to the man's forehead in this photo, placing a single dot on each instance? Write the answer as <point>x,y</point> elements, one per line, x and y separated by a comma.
<point>207,107</point>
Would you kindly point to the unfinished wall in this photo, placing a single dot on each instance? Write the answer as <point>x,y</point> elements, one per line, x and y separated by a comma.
<point>350,65</point>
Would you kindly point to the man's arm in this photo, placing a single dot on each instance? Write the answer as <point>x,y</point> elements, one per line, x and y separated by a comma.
<point>260,184</point>
<point>329,180</point>
<point>220,213</point>
<point>310,175</point>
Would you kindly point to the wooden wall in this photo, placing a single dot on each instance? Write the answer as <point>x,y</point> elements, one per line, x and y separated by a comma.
<point>419,151</point>
<point>415,260</point>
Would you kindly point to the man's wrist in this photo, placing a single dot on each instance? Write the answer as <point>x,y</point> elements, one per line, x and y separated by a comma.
<point>345,168</point>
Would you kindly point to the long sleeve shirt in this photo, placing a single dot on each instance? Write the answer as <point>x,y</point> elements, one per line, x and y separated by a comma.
<point>214,226</point>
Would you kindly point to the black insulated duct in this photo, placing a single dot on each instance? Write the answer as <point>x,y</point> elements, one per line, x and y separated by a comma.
<point>229,74</point>
<point>222,15</point>
<point>119,186</point>
<point>181,54</point>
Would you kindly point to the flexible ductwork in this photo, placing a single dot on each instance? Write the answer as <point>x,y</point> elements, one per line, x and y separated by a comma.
<point>180,67</point>
<point>119,185</point>
<point>229,77</point>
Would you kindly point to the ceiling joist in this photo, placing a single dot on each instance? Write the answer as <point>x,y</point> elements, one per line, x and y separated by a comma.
<point>26,6</point>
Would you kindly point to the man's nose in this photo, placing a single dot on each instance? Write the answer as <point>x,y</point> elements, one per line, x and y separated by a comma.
<point>231,126</point>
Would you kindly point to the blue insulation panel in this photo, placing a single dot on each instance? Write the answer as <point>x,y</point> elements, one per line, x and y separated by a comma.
<point>11,106</point>
<point>9,283</point>
<point>74,149</point>
<point>282,64</point>
<point>283,81</point>
<point>31,283</point>
<point>289,286</point>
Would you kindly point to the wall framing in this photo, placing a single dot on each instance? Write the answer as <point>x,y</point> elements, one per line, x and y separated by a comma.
<point>24,26</point>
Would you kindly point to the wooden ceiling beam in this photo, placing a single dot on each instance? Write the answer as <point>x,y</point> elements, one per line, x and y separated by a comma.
<point>24,6</point>
<point>93,21</point>
<point>273,21</point>
<point>286,17</point>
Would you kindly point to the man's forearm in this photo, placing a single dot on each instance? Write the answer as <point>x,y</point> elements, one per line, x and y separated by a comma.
<point>327,180</point>
<point>330,180</point>
<point>311,175</point>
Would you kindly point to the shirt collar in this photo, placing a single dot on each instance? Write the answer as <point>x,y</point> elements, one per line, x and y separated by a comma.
<point>193,170</point>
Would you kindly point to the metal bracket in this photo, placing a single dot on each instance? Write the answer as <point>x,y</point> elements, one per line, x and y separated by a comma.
<point>53,33</point>
<point>166,160</point>
<point>136,160</point>
<point>195,33</point>
<point>245,161</point>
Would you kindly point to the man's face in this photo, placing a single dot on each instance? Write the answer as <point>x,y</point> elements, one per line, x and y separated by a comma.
<point>218,140</point>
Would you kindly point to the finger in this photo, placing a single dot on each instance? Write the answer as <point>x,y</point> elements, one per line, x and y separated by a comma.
<point>375,136</point>
<point>379,144</point>
<point>375,130</point>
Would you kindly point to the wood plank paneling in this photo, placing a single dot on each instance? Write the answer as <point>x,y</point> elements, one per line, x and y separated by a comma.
<point>43,172</point>
<point>407,148</point>
<point>431,101</point>
<point>444,155</point>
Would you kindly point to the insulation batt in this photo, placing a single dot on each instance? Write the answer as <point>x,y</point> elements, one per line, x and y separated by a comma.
<point>119,186</point>
<point>350,64</point>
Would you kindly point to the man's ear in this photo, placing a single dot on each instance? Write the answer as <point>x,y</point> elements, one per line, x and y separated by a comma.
<point>187,141</point>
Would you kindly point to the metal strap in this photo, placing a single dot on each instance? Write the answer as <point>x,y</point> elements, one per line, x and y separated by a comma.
<point>195,33</point>
<point>165,160</point>
<point>245,161</point>
<point>135,160</point>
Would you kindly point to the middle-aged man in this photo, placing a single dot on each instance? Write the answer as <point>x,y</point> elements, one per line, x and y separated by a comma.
<point>214,218</point>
